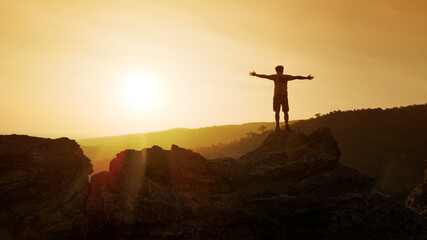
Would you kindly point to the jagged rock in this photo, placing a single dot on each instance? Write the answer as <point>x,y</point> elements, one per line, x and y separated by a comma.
<point>291,187</point>
<point>43,188</point>
<point>417,199</point>
<point>152,185</point>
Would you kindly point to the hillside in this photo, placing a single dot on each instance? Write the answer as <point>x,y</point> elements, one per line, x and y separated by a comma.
<point>102,150</point>
<point>234,149</point>
<point>186,137</point>
<point>389,145</point>
<point>291,187</point>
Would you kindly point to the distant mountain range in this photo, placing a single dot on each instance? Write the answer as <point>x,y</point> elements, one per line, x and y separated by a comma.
<point>101,150</point>
<point>181,136</point>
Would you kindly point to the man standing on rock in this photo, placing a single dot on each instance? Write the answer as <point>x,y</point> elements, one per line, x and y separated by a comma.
<point>280,92</point>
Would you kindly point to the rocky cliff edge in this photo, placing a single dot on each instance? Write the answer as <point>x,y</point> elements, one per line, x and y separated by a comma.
<point>43,188</point>
<point>290,187</point>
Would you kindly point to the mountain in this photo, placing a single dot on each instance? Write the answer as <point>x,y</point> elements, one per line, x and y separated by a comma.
<point>236,148</point>
<point>102,150</point>
<point>43,187</point>
<point>291,187</point>
<point>186,137</point>
<point>389,145</point>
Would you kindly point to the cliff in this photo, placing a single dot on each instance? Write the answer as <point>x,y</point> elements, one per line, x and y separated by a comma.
<point>290,187</point>
<point>386,144</point>
<point>43,187</point>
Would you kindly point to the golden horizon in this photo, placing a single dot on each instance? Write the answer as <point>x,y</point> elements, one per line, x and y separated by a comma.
<point>65,66</point>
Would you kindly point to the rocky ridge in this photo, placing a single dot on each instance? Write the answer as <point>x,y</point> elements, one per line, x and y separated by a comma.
<point>417,199</point>
<point>291,187</point>
<point>43,187</point>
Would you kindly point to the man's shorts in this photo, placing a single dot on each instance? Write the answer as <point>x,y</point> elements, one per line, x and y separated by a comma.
<point>280,100</point>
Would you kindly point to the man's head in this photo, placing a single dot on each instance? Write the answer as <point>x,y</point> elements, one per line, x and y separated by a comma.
<point>279,69</point>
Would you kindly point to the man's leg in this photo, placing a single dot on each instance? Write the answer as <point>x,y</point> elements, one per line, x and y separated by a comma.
<point>286,119</point>
<point>285,109</point>
<point>276,109</point>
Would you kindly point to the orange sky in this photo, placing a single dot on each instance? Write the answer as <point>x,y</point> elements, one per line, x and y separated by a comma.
<point>64,64</point>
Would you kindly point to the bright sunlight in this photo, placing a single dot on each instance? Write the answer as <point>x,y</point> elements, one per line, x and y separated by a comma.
<point>141,91</point>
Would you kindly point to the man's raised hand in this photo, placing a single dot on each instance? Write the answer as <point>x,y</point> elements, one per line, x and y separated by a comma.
<point>253,73</point>
<point>309,77</point>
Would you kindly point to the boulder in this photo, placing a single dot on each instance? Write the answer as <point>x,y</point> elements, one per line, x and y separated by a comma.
<point>43,188</point>
<point>152,185</point>
<point>417,199</point>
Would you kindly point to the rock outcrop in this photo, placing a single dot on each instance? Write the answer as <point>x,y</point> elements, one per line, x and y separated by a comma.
<point>291,187</point>
<point>43,188</point>
<point>151,186</point>
<point>417,200</point>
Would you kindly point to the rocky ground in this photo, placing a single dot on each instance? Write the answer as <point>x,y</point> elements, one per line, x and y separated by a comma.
<point>291,187</point>
<point>417,200</point>
<point>43,188</point>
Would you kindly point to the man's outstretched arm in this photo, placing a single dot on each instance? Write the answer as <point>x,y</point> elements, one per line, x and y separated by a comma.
<point>290,77</point>
<point>253,73</point>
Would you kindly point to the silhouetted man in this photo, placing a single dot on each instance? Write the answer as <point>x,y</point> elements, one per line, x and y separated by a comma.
<point>280,92</point>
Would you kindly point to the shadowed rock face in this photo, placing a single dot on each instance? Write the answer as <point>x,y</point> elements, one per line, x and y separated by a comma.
<point>417,199</point>
<point>149,186</point>
<point>291,187</point>
<point>43,188</point>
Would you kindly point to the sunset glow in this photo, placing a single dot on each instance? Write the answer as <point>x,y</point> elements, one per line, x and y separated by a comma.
<point>65,65</point>
<point>140,92</point>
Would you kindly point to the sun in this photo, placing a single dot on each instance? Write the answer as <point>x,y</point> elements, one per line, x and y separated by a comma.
<point>141,91</point>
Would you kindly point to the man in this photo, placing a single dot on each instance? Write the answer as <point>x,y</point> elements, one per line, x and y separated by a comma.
<point>280,92</point>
